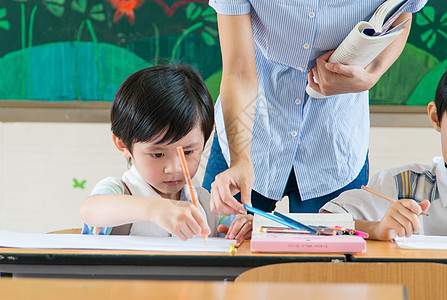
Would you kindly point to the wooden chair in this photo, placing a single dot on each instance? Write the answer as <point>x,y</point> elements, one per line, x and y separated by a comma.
<point>422,280</point>
<point>67,231</point>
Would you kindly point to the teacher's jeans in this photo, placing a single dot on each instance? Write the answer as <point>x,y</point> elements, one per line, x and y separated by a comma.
<point>217,164</point>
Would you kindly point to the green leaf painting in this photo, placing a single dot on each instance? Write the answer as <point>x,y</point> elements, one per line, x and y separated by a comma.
<point>209,40</point>
<point>4,24</point>
<point>397,85</point>
<point>413,78</point>
<point>79,5</point>
<point>56,7</point>
<point>97,12</point>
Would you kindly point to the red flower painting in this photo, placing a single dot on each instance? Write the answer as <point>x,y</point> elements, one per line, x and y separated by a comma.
<point>125,7</point>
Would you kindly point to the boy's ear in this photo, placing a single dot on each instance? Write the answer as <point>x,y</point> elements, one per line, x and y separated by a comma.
<point>433,116</point>
<point>121,147</point>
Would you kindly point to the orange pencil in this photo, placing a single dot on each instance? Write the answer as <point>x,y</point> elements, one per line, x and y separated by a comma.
<point>386,197</point>
<point>188,181</point>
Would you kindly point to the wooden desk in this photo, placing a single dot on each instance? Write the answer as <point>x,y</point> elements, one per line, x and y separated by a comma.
<point>382,251</point>
<point>142,264</point>
<point>67,289</point>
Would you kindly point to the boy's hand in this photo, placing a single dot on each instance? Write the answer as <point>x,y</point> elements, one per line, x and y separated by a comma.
<point>240,227</point>
<point>401,219</point>
<point>181,219</point>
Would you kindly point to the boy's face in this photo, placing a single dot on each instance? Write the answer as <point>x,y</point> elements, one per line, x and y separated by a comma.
<point>440,126</point>
<point>159,164</point>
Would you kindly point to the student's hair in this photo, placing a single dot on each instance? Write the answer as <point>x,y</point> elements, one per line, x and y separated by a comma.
<point>169,100</point>
<point>441,97</point>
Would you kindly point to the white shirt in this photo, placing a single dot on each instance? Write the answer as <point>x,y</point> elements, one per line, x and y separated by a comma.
<point>413,181</point>
<point>138,187</point>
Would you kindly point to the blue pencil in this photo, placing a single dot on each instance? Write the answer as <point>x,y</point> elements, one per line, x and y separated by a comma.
<point>270,216</point>
<point>290,220</point>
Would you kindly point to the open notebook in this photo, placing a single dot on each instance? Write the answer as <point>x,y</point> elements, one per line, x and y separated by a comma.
<point>423,242</point>
<point>111,242</point>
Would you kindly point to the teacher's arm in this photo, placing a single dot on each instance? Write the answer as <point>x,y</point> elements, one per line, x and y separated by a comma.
<point>335,78</point>
<point>238,93</point>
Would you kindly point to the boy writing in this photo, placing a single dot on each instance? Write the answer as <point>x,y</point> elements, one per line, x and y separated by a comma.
<point>155,111</point>
<point>418,188</point>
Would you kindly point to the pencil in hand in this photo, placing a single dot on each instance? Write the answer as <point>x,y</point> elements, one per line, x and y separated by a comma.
<point>188,181</point>
<point>386,197</point>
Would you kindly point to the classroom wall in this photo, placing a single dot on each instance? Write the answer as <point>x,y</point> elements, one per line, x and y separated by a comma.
<point>39,163</point>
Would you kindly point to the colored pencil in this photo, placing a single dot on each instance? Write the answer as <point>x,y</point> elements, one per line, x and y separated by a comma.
<point>270,216</point>
<point>188,181</point>
<point>295,222</point>
<point>232,249</point>
<point>354,232</point>
<point>320,231</point>
<point>386,197</point>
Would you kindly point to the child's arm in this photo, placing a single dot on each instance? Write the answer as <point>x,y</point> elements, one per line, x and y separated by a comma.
<point>240,227</point>
<point>180,218</point>
<point>401,219</point>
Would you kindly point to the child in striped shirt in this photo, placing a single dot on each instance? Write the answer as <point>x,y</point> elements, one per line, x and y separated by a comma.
<point>419,188</point>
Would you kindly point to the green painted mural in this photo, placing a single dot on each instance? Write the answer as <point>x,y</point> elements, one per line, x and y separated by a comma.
<point>81,50</point>
<point>65,50</point>
<point>413,78</point>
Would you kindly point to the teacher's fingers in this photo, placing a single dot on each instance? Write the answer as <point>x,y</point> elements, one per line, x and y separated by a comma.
<point>349,71</point>
<point>227,198</point>
<point>223,203</point>
<point>325,57</point>
<point>246,187</point>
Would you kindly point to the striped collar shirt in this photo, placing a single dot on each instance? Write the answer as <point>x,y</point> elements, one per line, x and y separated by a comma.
<point>325,140</point>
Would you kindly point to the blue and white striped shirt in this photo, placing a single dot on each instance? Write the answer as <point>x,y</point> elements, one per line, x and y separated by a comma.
<point>324,140</point>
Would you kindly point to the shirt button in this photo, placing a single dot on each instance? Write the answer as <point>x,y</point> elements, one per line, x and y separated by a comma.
<point>306,46</point>
<point>294,133</point>
<point>311,15</point>
<point>300,69</point>
<point>297,101</point>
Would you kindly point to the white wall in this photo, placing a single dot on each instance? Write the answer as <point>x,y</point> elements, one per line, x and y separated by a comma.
<point>398,146</point>
<point>38,162</point>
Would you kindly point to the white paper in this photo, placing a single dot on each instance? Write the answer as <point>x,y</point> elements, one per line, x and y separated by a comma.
<point>360,49</point>
<point>111,242</point>
<point>427,242</point>
<point>387,13</point>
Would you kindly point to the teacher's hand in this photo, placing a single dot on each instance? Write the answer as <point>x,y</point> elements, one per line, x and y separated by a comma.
<point>334,78</point>
<point>238,178</point>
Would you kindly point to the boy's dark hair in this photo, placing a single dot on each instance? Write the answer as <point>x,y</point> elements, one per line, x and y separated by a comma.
<point>171,98</point>
<point>441,97</point>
